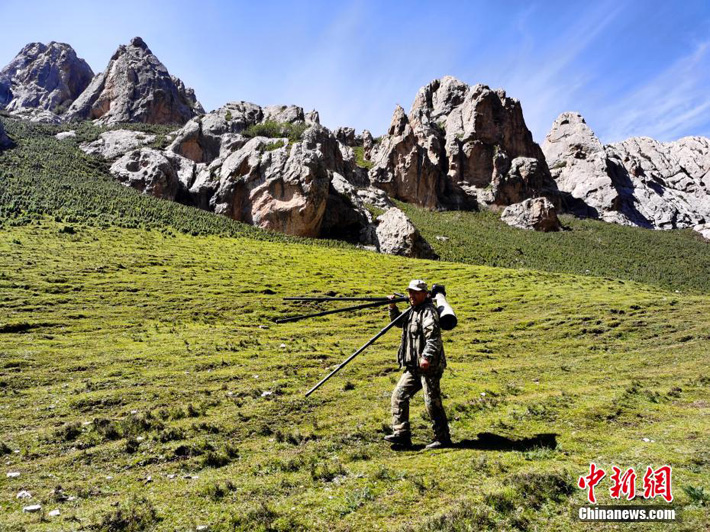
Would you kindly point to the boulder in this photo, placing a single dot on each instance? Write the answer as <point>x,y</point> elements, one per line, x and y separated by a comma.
<point>135,87</point>
<point>639,181</point>
<point>346,136</point>
<point>456,148</point>
<point>397,235</point>
<point>148,171</point>
<point>65,135</point>
<point>42,81</point>
<point>533,213</point>
<point>113,144</point>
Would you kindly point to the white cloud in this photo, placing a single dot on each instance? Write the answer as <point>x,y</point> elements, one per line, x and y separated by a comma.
<point>669,105</point>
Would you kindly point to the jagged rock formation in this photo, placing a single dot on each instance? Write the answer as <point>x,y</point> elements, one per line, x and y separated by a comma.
<point>397,235</point>
<point>135,87</point>
<point>639,181</point>
<point>459,147</point>
<point>42,81</point>
<point>274,167</point>
<point>534,213</point>
<point>113,144</point>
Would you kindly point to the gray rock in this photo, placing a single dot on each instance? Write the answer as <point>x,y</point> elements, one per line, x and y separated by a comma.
<point>635,182</point>
<point>42,81</point>
<point>533,213</point>
<point>65,135</point>
<point>457,143</point>
<point>346,135</point>
<point>135,87</point>
<point>113,144</point>
<point>397,235</point>
<point>148,171</point>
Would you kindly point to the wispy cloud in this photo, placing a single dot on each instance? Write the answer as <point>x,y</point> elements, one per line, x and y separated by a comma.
<point>548,77</point>
<point>668,105</point>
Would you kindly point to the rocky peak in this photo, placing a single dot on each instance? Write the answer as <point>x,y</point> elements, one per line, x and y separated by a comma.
<point>639,181</point>
<point>459,147</point>
<point>570,135</point>
<point>43,80</point>
<point>399,122</point>
<point>136,87</point>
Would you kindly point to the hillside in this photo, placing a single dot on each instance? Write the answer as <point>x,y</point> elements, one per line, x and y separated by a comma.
<point>139,368</point>
<point>45,176</point>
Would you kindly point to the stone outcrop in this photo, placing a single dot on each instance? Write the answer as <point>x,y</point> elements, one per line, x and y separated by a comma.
<point>135,87</point>
<point>396,235</point>
<point>460,146</point>
<point>113,144</point>
<point>538,214</point>
<point>299,184</point>
<point>149,171</point>
<point>42,81</point>
<point>639,181</point>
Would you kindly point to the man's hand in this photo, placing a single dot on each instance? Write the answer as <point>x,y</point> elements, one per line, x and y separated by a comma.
<point>424,364</point>
<point>392,305</point>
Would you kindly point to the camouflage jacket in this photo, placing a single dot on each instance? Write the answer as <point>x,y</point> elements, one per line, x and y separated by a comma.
<point>421,337</point>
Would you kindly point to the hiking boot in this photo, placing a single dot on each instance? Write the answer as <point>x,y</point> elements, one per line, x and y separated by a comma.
<point>402,440</point>
<point>439,444</point>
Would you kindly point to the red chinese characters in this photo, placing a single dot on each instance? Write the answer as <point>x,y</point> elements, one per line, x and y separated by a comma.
<point>658,482</point>
<point>592,479</point>
<point>623,484</point>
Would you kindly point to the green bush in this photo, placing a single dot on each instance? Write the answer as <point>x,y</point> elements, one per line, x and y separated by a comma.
<point>271,129</point>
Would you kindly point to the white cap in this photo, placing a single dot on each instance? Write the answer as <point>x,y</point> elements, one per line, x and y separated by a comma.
<point>417,285</point>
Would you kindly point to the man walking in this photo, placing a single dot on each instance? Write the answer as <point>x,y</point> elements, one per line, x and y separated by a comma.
<point>421,354</point>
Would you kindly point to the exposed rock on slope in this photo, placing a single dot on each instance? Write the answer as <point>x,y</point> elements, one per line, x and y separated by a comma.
<point>230,162</point>
<point>460,146</point>
<point>397,235</point>
<point>534,213</point>
<point>42,81</point>
<point>113,144</point>
<point>135,87</point>
<point>639,181</point>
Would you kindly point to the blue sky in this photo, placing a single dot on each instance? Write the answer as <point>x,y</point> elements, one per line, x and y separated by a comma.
<point>630,67</point>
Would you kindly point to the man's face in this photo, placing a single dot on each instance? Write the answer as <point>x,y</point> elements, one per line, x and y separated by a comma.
<point>416,297</point>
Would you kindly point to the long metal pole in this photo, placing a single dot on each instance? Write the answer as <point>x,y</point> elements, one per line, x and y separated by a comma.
<point>356,353</point>
<point>324,298</point>
<point>346,309</point>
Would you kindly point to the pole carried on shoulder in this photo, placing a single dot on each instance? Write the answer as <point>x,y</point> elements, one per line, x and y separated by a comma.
<point>356,353</point>
<point>377,303</point>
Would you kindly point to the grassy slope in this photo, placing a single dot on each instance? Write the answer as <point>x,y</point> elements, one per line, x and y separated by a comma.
<point>105,322</point>
<point>677,260</point>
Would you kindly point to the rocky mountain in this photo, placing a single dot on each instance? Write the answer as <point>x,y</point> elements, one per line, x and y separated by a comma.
<point>275,167</point>
<point>135,87</point>
<point>42,81</point>
<point>459,147</point>
<point>639,181</point>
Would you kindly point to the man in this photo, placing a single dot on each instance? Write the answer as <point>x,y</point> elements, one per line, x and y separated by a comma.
<point>421,354</point>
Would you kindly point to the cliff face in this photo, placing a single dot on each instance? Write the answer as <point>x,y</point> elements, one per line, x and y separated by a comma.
<point>42,81</point>
<point>639,181</point>
<point>135,87</point>
<point>460,146</point>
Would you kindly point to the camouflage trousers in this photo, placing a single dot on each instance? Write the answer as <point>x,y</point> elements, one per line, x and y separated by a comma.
<point>410,383</point>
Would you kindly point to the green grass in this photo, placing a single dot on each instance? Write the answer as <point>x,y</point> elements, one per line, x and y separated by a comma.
<point>43,176</point>
<point>676,260</point>
<point>141,371</point>
<point>135,366</point>
<point>360,158</point>
<point>271,129</point>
